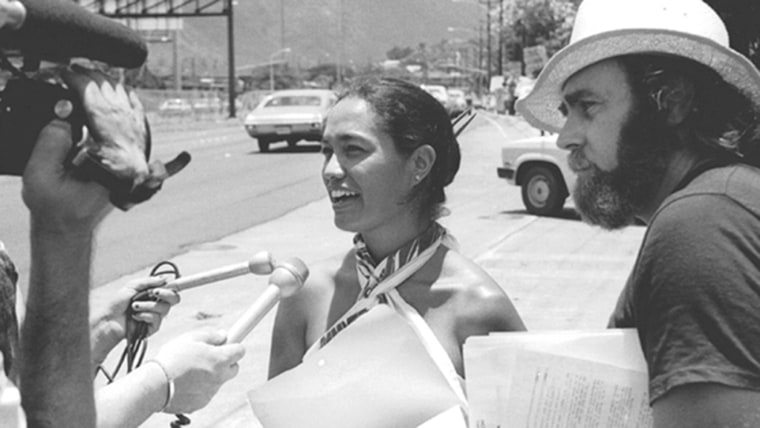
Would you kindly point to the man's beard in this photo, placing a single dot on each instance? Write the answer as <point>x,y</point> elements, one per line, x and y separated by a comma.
<point>611,199</point>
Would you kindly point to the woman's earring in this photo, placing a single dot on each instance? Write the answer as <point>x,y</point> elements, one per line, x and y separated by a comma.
<point>416,178</point>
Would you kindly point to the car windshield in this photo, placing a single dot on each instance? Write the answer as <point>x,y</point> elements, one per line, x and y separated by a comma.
<point>294,100</point>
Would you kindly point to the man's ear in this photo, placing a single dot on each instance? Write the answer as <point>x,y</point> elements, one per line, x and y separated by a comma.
<point>421,162</point>
<point>676,100</point>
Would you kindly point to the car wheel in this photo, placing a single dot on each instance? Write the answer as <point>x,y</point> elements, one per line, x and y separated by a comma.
<point>263,145</point>
<point>543,192</point>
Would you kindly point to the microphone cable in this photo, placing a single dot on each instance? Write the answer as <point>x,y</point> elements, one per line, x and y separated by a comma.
<point>136,341</point>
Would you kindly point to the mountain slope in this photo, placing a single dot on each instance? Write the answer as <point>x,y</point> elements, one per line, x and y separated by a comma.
<point>313,32</point>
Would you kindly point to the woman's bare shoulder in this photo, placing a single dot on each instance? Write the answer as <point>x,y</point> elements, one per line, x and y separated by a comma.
<point>477,296</point>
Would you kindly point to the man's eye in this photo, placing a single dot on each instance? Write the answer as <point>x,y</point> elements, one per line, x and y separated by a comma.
<point>586,106</point>
<point>326,150</point>
<point>562,109</point>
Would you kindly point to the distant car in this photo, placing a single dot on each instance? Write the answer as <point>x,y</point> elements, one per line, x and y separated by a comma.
<point>438,92</point>
<point>540,168</point>
<point>457,102</point>
<point>289,115</point>
<point>175,107</point>
<point>208,105</point>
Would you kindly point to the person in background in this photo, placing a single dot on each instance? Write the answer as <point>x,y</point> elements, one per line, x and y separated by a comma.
<point>660,117</point>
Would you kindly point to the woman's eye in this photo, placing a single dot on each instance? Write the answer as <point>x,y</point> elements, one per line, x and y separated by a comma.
<point>353,149</point>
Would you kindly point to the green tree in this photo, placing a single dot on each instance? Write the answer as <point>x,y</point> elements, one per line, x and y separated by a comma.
<point>539,22</point>
<point>741,18</point>
<point>398,53</point>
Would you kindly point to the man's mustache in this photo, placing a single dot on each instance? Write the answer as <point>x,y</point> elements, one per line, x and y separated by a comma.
<point>577,161</point>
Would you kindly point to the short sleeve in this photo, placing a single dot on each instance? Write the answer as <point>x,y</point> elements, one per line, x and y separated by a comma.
<point>697,294</point>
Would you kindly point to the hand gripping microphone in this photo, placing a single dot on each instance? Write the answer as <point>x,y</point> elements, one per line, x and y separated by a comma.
<point>287,278</point>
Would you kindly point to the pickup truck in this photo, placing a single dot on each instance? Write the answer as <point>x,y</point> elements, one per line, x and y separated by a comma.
<point>540,168</point>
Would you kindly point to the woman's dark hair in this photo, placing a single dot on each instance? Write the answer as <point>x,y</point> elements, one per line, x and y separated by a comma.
<point>413,118</point>
<point>723,119</point>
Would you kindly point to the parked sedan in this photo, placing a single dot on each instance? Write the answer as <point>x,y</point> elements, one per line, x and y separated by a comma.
<point>175,107</point>
<point>540,168</point>
<point>289,115</point>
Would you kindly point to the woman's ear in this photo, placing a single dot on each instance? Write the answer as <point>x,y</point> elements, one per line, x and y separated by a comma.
<point>421,162</point>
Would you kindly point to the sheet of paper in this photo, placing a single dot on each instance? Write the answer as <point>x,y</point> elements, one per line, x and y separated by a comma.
<point>571,373</point>
<point>374,374</point>
<point>556,391</point>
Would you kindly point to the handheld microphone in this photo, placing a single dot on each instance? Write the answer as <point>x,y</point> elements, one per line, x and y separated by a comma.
<point>261,264</point>
<point>287,278</point>
<point>58,30</point>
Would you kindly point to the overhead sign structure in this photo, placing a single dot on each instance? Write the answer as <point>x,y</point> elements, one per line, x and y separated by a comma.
<point>167,15</point>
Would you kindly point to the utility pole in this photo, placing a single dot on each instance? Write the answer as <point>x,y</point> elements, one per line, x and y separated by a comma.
<point>500,64</point>
<point>480,46</point>
<point>341,46</point>
<point>231,79</point>
<point>488,43</point>
<point>177,62</point>
<point>282,24</point>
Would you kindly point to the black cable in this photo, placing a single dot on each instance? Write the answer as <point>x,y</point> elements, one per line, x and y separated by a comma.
<point>136,342</point>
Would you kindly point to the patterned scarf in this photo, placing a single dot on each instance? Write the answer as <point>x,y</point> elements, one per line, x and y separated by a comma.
<point>372,274</point>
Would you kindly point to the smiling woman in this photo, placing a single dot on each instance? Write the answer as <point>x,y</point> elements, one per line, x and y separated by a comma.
<point>380,329</point>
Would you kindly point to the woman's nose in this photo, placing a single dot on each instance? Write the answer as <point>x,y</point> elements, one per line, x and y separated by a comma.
<point>332,168</point>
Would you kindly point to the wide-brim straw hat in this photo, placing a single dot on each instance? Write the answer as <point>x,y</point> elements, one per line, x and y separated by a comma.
<point>608,28</point>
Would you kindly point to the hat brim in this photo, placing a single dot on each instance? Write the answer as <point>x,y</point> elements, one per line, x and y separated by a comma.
<point>541,106</point>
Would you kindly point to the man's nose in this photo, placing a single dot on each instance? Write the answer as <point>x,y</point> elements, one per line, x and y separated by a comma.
<point>570,136</point>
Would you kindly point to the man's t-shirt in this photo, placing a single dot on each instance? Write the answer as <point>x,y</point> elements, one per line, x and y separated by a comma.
<point>694,293</point>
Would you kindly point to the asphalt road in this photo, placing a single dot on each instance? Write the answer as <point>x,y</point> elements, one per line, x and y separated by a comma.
<point>227,187</point>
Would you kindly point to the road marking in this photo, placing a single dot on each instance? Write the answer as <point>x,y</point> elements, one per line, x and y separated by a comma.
<point>496,124</point>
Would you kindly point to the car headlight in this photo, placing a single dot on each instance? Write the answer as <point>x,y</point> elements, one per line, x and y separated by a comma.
<point>317,122</point>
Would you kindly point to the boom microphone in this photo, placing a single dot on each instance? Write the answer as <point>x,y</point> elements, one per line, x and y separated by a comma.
<point>58,30</point>
<point>287,278</point>
<point>261,264</point>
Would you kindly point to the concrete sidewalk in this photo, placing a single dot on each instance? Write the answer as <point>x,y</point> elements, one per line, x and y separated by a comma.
<point>476,201</point>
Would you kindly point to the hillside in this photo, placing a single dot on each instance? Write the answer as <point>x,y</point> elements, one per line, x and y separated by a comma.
<point>313,33</point>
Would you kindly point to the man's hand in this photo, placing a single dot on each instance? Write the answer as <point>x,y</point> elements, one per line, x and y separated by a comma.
<point>199,362</point>
<point>58,202</point>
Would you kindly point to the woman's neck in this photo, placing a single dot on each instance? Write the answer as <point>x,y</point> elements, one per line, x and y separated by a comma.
<point>382,243</point>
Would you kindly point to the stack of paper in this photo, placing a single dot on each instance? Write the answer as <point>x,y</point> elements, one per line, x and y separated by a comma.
<point>557,379</point>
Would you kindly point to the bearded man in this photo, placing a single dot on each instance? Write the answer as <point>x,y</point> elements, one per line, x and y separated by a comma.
<point>661,117</point>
